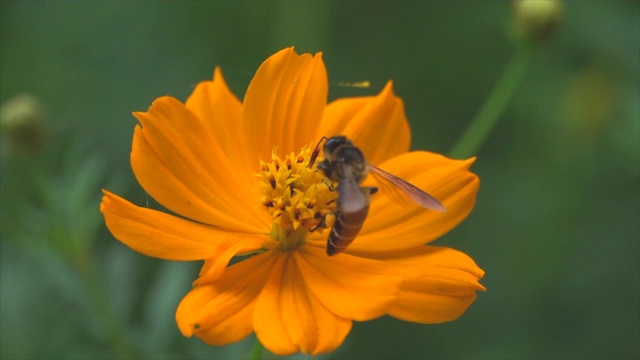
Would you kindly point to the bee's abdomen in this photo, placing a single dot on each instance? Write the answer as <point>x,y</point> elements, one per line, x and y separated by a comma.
<point>345,230</point>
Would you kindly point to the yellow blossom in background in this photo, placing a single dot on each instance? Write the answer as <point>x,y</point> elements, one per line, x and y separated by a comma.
<point>238,174</point>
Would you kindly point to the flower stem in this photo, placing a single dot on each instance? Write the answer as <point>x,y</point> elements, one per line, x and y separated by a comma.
<point>484,121</point>
<point>256,352</point>
<point>97,293</point>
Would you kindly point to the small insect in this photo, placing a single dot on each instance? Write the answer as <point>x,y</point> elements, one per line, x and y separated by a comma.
<point>345,164</point>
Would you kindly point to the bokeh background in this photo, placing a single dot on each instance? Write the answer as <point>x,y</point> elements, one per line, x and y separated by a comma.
<point>556,225</point>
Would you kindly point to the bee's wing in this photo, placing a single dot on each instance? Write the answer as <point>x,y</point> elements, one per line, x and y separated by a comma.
<point>403,192</point>
<point>351,197</point>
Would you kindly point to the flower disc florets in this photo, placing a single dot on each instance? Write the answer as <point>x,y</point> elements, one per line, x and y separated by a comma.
<point>297,196</point>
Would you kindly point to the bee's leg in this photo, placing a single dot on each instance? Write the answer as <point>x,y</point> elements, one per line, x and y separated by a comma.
<point>321,225</point>
<point>372,189</point>
<point>323,222</point>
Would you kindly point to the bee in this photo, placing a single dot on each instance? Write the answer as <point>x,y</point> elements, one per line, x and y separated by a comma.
<point>345,165</point>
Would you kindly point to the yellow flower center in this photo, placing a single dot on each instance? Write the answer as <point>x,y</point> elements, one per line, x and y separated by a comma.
<point>297,196</point>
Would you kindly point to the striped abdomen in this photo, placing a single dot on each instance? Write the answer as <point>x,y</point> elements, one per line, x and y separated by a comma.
<point>345,229</point>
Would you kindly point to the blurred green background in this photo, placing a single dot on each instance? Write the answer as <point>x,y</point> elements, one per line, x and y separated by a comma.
<point>556,225</point>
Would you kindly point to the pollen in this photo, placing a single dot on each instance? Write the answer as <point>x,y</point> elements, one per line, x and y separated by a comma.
<point>297,196</point>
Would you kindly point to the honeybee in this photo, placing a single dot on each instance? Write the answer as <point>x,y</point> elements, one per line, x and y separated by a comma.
<point>345,164</point>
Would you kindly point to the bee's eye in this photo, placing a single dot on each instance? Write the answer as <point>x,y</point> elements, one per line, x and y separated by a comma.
<point>333,143</point>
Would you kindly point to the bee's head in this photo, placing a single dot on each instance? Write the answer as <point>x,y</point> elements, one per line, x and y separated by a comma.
<point>333,144</point>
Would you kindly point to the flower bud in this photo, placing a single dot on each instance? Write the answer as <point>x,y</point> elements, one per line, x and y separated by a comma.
<point>21,121</point>
<point>537,20</point>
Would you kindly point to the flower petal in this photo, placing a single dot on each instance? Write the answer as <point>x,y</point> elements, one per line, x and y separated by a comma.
<point>440,283</point>
<point>214,266</point>
<point>288,318</point>
<point>284,103</point>
<point>164,236</point>
<point>220,312</point>
<point>391,226</point>
<point>184,169</point>
<point>375,124</point>
<point>221,113</point>
<point>267,319</point>
<point>348,286</point>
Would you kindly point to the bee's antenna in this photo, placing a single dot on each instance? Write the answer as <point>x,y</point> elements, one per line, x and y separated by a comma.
<point>316,151</point>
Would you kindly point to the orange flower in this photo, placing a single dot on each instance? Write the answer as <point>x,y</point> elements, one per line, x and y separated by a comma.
<point>238,174</point>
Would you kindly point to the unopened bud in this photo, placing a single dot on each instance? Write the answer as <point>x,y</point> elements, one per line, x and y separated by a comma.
<point>537,20</point>
<point>22,125</point>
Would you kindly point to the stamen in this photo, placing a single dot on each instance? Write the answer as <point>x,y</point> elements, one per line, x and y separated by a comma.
<point>297,196</point>
<point>272,182</point>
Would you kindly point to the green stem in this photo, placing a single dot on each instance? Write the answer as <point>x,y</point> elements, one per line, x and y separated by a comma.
<point>256,352</point>
<point>490,112</point>
<point>114,332</point>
